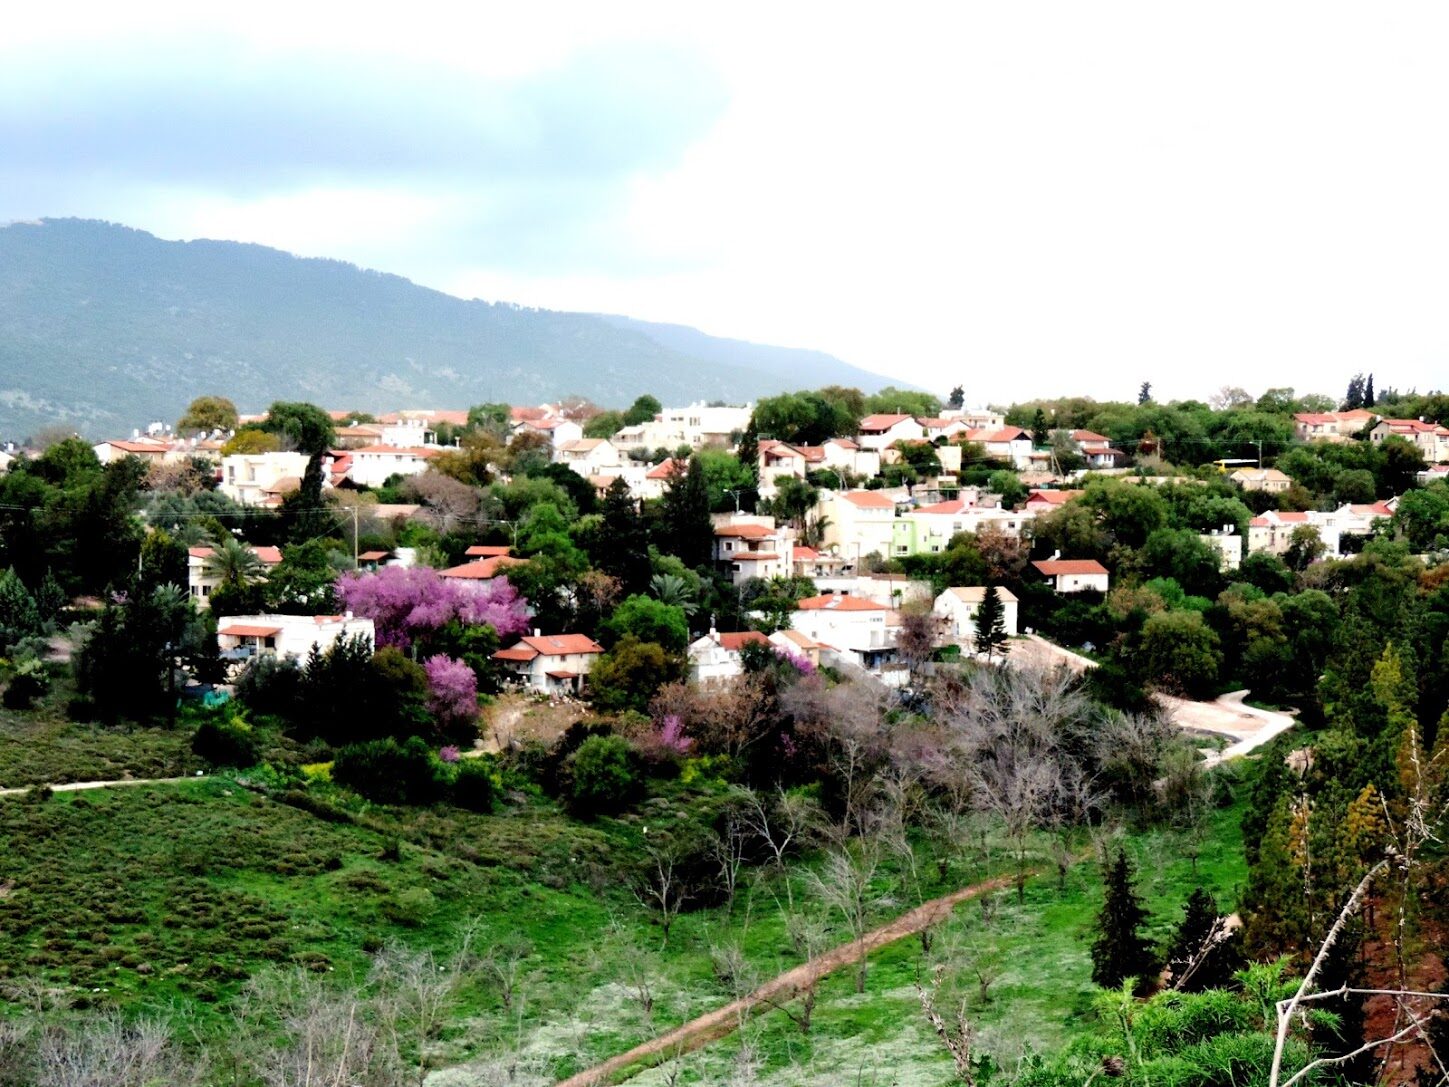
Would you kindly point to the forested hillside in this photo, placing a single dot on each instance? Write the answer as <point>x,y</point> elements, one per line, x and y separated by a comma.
<point>102,327</point>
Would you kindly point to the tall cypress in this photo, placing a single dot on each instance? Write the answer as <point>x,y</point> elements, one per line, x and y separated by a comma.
<point>624,540</point>
<point>991,624</point>
<point>1120,950</point>
<point>687,529</point>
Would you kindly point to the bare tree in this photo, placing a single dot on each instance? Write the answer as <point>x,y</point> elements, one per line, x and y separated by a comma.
<point>416,990</point>
<point>727,847</point>
<point>843,883</point>
<point>660,886</point>
<point>917,637</point>
<point>957,1035</point>
<point>503,962</point>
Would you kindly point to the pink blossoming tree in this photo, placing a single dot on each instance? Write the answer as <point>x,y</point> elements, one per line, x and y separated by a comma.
<point>452,694</point>
<point>407,603</point>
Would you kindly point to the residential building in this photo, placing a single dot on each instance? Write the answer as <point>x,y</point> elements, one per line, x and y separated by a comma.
<point>1269,480</point>
<point>1359,519</point>
<point>846,455</point>
<point>552,663</point>
<point>1330,426</point>
<point>431,418</point>
<point>880,432</point>
<point>857,629</point>
<point>1229,546</point>
<point>697,426</point>
<point>799,644</point>
<point>1010,444</point>
<point>958,607</point>
<point>1044,501</point>
<point>889,590</point>
<point>929,529</point>
<point>941,428</point>
<point>1096,449</point>
<point>482,569</point>
<point>1431,439</point>
<point>779,461</point>
<point>976,418</point>
<point>200,584</point>
<point>1273,531</point>
<point>1074,575</point>
<point>374,465</point>
<point>242,637</point>
<point>858,523</point>
<point>808,562</point>
<point>259,479</point>
<point>748,546</point>
<point>716,656</point>
<point>151,450</point>
<point>557,429</point>
<point>590,457</point>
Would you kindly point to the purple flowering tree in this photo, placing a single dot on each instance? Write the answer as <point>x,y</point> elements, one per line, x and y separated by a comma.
<point>452,694</point>
<point>407,603</point>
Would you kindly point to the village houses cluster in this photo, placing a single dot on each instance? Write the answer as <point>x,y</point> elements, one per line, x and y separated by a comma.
<point>853,621</point>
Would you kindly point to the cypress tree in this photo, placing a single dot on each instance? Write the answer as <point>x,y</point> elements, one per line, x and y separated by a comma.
<point>1040,436</point>
<point>624,540</point>
<point>1120,950</point>
<point>688,530</point>
<point>991,624</point>
<point>1214,966</point>
<point>1368,392</point>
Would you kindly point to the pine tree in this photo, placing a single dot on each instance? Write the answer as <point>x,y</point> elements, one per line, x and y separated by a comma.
<point>1040,436</point>
<point>1144,394</point>
<point>990,624</point>
<point>1195,964</point>
<point>1120,950</point>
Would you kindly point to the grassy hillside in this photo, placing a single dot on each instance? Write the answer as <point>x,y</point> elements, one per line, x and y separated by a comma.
<point>103,327</point>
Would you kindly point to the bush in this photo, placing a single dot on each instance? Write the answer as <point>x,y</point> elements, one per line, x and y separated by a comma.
<point>29,683</point>
<point>473,786</point>
<point>604,779</point>
<point>387,772</point>
<point>412,907</point>
<point>226,743</point>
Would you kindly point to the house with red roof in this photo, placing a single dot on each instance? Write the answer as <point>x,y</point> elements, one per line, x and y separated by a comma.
<point>859,523</point>
<point>551,663</point>
<point>1273,531</point>
<point>256,479</point>
<point>1073,575</point>
<point>715,657</point>
<point>881,431</point>
<point>1431,439</point>
<point>482,569</point>
<point>748,546</point>
<point>859,631</point>
<point>200,584</point>
<point>1044,501</point>
<point>1096,449</point>
<point>150,450</point>
<point>242,637</point>
<point>928,529</point>
<point>558,429</point>
<point>1330,426</point>
<point>590,457</point>
<point>1010,444</point>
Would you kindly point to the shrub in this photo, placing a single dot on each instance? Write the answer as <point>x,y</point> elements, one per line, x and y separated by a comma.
<point>226,743</point>
<point>604,779</point>
<point>412,907</point>
<point>473,786</point>
<point>387,772</point>
<point>29,683</point>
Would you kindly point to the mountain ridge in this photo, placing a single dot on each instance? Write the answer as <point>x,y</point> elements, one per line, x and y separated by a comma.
<point>104,327</point>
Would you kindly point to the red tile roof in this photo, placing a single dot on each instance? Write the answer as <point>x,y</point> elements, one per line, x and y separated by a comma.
<point>371,556</point>
<point>944,509</point>
<point>139,447</point>
<point>487,551</point>
<point>806,554</point>
<point>482,569</point>
<point>875,424</point>
<point>745,532</point>
<point>241,630</point>
<point>1053,498</point>
<point>753,556</point>
<point>1280,517</point>
<point>398,450</point>
<point>1057,567</point>
<point>549,645</point>
<point>836,602</point>
<point>1090,436</point>
<point>667,469</point>
<point>869,500</point>
<point>737,640</point>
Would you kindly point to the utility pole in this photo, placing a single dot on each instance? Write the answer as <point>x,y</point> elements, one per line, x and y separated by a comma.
<point>1259,444</point>
<point>354,536</point>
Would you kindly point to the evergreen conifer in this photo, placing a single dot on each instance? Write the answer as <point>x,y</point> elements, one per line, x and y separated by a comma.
<point>1120,950</point>
<point>991,624</point>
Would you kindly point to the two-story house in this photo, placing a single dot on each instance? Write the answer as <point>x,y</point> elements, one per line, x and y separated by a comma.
<point>957,607</point>
<point>880,432</point>
<point>590,457</point>
<point>858,523</point>
<point>1431,439</point>
<point>1330,426</point>
<point>747,546</point>
<point>201,584</point>
<point>1074,575</point>
<point>242,637</point>
<point>859,630</point>
<point>551,663</point>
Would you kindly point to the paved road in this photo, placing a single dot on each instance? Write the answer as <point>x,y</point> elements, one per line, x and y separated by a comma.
<point>1245,727</point>
<point>77,786</point>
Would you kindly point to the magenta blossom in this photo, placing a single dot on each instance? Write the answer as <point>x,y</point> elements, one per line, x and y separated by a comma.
<point>452,691</point>
<point>450,753</point>
<point>795,660</point>
<point>409,602</point>
<point>671,735</point>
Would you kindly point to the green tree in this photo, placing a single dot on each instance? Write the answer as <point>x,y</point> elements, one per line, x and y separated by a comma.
<point>208,413</point>
<point>1120,951</point>
<point>19,613</point>
<point>1305,547</point>
<point>1144,394</point>
<point>991,624</point>
<point>686,528</point>
<point>233,563</point>
<point>1180,651</point>
<point>647,620</point>
<point>642,410</point>
<point>1040,434</point>
<point>957,398</point>
<point>604,425</point>
<point>894,401</point>
<point>1203,954</point>
<point>1422,517</point>
<point>623,540</point>
<point>628,676</point>
<point>491,418</point>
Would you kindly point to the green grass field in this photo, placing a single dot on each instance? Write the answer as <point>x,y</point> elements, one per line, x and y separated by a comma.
<point>165,899</point>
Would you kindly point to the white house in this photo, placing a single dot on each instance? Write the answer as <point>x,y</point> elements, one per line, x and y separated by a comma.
<point>1273,531</point>
<point>374,465</point>
<point>976,418</point>
<point>1228,545</point>
<point>241,637</point>
<point>151,450</point>
<point>880,432</point>
<point>1330,426</point>
<point>1074,575</point>
<point>1268,480</point>
<point>716,656</point>
<point>944,427</point>
<point>590,457</point>
<point>845,455</point>
<point>749,546</point>
<point>200,584</point>
<point>259,479</point>
<point>697,426</point>
<point>859,630</point>
<point>958,607</point>
<point>558,430</point>
<point>1096,449</point>
<point>1010,444</point>
<point>1431,439</point>
<point>552,663</point>
<point>778,461</point>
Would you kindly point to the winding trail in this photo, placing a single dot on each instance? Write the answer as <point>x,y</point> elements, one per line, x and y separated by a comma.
<point>723,1021</point>
<point>77,786</point>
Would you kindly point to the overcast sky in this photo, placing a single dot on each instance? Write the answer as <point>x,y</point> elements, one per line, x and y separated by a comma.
<point>1025,198</point>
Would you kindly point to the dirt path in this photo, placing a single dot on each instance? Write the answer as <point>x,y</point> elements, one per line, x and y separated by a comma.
<point>77,786</point>
<point>1245,727</point>
<point>716,1024</point>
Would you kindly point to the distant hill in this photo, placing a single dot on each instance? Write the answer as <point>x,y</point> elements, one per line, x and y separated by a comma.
<point>103,328</point>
